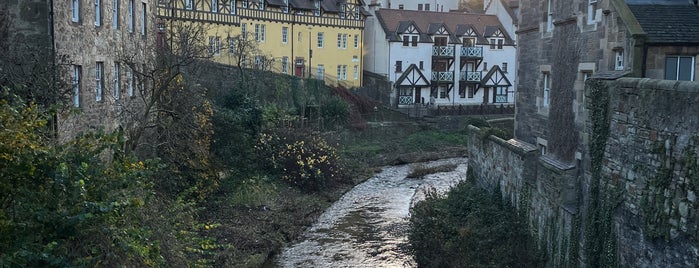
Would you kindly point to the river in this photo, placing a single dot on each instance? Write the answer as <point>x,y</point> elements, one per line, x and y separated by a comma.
<point>367,227</point>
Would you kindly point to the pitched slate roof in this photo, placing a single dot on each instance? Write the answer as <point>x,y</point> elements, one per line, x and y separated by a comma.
<point>392,19</point>
<point>302,4</point>
<point>668,23</point>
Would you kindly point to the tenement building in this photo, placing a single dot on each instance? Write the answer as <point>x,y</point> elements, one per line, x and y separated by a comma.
<point>319,39</point>
<point>603,160</point>
<point>94,51</point>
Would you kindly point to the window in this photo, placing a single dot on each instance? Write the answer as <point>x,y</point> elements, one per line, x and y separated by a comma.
<point>619,60</point>
<point>419,6</point>
<point>214,6</point>
<point>189,4</point>
<point>549,16</point>
<point>316,10</point>
<point>504,67</point>
<point>244,30</point>
<point>244,60</point>
<point>400,6</point>
<point>260,32</point>
<point>117,73</point>
<point>422,65</point>
<point>99,82</point>
<point>77,73</point>
<point>75,8</point>
<point>231,45</point>
<point>469,41</point>
<point>343,11</point>
<point>406,40</point>
<point>143,18</point>
<point>98,13</point>
<point>427,7</point>
<point>355,58</point>
<point>357,15</point>
<point>462,92</point>
<point>244,4</point>
<point>320,40</point>
<point>496,43</point>
<point>344,72</point>
<point>285,35</point>
<point>356,72</point>
<point>212,45</point>
<point>131,78</point>
<point>232,3</point>
<point>285,7</point>
<point>413,40</point>
<point>339,72</point>
<point>320,72</point>
<point>500,95</point>
<point>344,41</point>
<point>131,17</point>
<point>261,4</point>
<point>341,41</point>
<point>679,68</point>
<point>399,66</point>
<point>218,46</point>
<point>115,15</point>
<point>586,75</point>
<point>285,64</point>
<point>356,41</point>
<point>443,94</point>
<point>546,89</point>
<point>591,10</point>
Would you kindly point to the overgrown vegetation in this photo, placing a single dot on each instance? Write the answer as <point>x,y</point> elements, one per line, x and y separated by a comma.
<point>420,170</point>
<point>469,227</point>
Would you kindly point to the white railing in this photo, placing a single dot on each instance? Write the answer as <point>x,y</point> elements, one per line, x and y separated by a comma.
<point>405,99</point>
<point>442,51</point>
<point>443,76</point>
<point>471,76</point>
<point>472,52</point>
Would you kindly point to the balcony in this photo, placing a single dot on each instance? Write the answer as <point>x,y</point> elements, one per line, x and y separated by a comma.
<point>443,77</point>
<point>471,76</point>
<point>472,52</point>
<point>443,51</point>
<point>405,100</point>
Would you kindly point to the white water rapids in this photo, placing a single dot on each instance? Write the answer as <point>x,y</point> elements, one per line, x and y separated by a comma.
<point>367,227</point>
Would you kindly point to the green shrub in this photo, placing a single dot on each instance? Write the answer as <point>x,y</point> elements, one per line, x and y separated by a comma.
<point>305,161</point>
<point>469,227</point>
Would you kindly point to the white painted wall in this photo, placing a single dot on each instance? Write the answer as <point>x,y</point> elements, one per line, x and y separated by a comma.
<point>495,7</point>
<point>435,5</point>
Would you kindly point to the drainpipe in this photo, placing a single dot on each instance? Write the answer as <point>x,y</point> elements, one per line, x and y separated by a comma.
<point>53,62</point>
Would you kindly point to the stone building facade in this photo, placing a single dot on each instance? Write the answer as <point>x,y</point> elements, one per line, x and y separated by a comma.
<point>606,162</point>
<point>99,51</point>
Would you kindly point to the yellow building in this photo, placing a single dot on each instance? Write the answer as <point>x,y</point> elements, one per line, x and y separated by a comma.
<point>321,39</point>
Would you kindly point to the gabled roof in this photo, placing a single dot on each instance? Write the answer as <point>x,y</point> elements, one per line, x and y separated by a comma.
<point>435,27</point>
<point>462,29</point>
<point>404,25</point>
<point>495,77</point>
<point>412,76</point>
<point>669,22</point>
<point>391,19</point>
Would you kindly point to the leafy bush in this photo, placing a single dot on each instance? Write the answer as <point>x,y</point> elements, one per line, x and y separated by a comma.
<point>469,227</point>
<point>335,111</point>
<point>305,161</point>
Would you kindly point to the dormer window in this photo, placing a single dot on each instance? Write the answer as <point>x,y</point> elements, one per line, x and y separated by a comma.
<point>343,10</point>
<point>261,4</point>
<point>496,43</point>
<point>232,6</point>
<point>469,41</point>
<point>285,7</point>
<point>244,4</point>
<point>316,11</point>
<point>357,15</point>
<point>189,4</point>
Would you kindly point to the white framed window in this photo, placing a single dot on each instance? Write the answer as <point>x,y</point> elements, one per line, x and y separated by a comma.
<point>339,72</point>
<point>244,30</point>
<point>546,83</point>
<point>496,43</point>
<point>98,13</point>
<point>285,65</point>
<point>356,72</point>
<point>99,80</point>
<point>131,16</point>
<point>143,18</point>
<point>131,82</point>
<point>344,41</point>
<point>189,4</point>
<point>320,72</point>
<point>115,15</point>
<point>316,10</point>
<point>244,4</point>
<point>320,40</point>
<point>619,60</point>
<point>117,75</point>
<point>357,14</point>
<point>339,40</point>
<point>285,35</point>
<point>218,46</point>
<point>233,7</point>
<point>214,6</point>
<point>75,11</point>
<point>591,10</point>
<point>212,45</point>
<point>679,68</point>
<point>231,45</point>
<point>285,7</point>
<point>344,72</point>
<point>260,32</point>
<point>355,58</point>
<point>77,73</point>
<point>343,11</point>
<point>549,16</point>
<point>356,41</point>
<point>261,4</point>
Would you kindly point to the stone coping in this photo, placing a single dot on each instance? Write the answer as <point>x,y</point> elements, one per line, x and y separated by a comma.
<point>551,162</point>
<point>658,84</point>
<point>516,146</point>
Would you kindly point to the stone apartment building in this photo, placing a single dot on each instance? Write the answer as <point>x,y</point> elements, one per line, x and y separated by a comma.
<point>99,49</point>
<point>603,157</point>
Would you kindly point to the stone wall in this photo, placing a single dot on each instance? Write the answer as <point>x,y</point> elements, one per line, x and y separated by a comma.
<point>651,155</point>
<point>636,205</point>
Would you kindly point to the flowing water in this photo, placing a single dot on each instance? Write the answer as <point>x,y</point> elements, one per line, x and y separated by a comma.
<point>367,227</point>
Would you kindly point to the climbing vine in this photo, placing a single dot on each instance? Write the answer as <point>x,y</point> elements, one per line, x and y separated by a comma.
<point>600,239</point>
